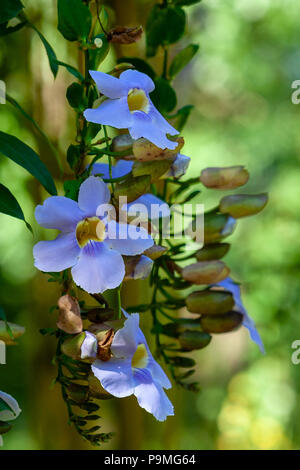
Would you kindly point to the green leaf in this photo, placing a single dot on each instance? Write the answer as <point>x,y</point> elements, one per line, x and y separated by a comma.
<point>164,96</point>
<point>97,55</point>
<point>165,25</point>
<point>74,19</point>
<point>185,3</point>
<point>73,156</point>
<point>182,59</point>
<point>12,101</point>
<point>3,317</point>
<point>9,9</point>
<point>50,52</point>
<point>76,97</point>
<point>24,156</point>
<point>72,70</point>
<point>4,30</point>
<point>182,116</point>
<point>10,206</point>
<point>140,64</point>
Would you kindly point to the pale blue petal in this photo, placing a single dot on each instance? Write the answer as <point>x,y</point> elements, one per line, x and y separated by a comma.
<point>13,413</point>
<point>113,113</point>
<point>161,122</point>
<point>92,193</point>
<point>151,396</point>
<point>56,255</point>
<point>142,125</point>
<point>115,376</point>
<point>229,226</point>
<point>125,341</point>
<point>89,346</point>
<point>120,169</point>
<point>158,373</point>
<point>136,79</point>
<point>108,85</point>
<point>127,239</point>
<point>58,212</point>
<point>178,167</point>
<point>98,268</point>
<point>143,268</point>
<point>235,289</point>
<point>148,204</point>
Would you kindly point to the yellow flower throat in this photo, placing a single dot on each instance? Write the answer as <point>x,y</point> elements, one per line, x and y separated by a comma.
<point>91,228</point>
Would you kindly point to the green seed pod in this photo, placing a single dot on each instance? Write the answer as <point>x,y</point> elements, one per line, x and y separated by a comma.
<point>16,330</point>
<point>212,252</point>
<point>122,143</point>
<point>4,427</point>
<point>205,272</point>
<point>180,361</point>
<point>230,177</point>
<point>243,205</point>
<point>175,329</point>
<point>217,227</point>
<point>210,302</point>
<point>155,169</point>
<point>72,346</point>
<point>100,315</point>
<point>133,187</point>
<point>96,389</point>
<point>155,252</point>
<point>78,393</point>
<point>221,323</point>
<point>190,340</point>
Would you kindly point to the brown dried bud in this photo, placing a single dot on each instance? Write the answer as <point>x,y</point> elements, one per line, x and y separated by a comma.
<point>212,252</point>
<point>99,315</point>
<point>210,302</point>
<point>104,344</point>
<point>205,272</point>
<point>144,150</point>
<point>190,340</point>
<point>224,178</point>
<point>155,252</point>
<point>243,205</point>
<point>69,319</point>
<point>125,35</point>
<point>221,323</point>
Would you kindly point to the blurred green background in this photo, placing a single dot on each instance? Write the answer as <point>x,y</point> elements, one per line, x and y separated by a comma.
<point>240,84</point>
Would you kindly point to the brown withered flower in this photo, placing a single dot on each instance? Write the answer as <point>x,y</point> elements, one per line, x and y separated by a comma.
<point>69,319</point>
<point>125,35</point>
<point>104,344</point>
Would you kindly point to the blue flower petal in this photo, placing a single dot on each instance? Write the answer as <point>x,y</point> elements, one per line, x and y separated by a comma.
<point>89,346</point>
<point>151,396</point>
<point>59,212</point>
<point>121,168</point>
<point>143,268</point>
<point>142,125</point>
<point>56,255</point>
<point>108,85</point>
<point>127,239</point>
<point>136,79</point>
<point>98,268</point>
<point>179,166</point>
<point>161,122</point>
<point>148,204</point>
<point>92,193</point>
<point>115,376</point>
<point>113,113</point>
<point>125,341</point>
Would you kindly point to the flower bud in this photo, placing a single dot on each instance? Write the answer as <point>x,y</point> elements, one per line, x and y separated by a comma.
<point>71,347</point>
<point>4,427</point>
<point>125,35</point>
<point>16,330</point>
<point>137,267</point>
<point>96,389</point>
<point>78,393</point>
<point>155,252</point>
<point>243,205</point>
<point>9,407</point>
<point>155,169</point>
<point>100,315</point>
<point>174,329</point>
<point>144,150</point>
<point>190,340</point>
<point>221,323</point>
<point>224,178</point>
<point>69,319</point>
<point>210,302</point>
<point>217,226</point>
<point>133,188</point>
<point>205,272</point>
<point>179,361</point>
<point>212,252</point>
<point>122,143</point>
